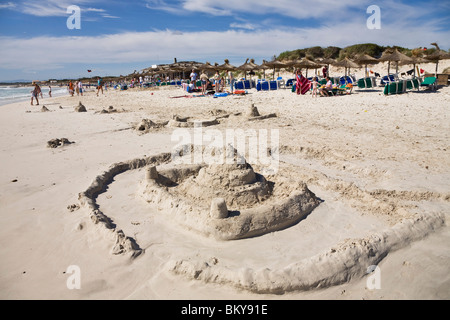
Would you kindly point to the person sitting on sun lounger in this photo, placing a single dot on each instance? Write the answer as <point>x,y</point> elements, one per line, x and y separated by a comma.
<point>325,91</point>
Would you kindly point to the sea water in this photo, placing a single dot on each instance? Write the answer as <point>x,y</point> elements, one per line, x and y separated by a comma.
<point>13,94</point>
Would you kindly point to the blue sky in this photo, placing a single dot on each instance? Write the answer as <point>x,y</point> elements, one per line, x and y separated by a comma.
<point>118,37</point>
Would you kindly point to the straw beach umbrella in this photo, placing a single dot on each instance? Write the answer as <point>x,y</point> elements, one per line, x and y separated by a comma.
<point>436,57</point>
<point>415,61</point>
<point>395,56</point>
<point>307,64</point>
<point>347,64</point>
<point>365,59</point>
<point>275,64</point>
<point>227,66</point>
<point>263,67</point>
<point>293,63</point>
<point>253,64</point>
<point>246,67</point>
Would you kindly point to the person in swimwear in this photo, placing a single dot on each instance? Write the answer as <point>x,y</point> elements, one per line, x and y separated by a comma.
<point>35,93</point>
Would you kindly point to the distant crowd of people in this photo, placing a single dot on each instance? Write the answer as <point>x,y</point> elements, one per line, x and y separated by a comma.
<point>217,84</point>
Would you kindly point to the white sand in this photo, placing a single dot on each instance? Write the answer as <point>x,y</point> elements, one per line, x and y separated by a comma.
<point>376,162</point>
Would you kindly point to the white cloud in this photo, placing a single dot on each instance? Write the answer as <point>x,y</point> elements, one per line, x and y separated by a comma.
<point>247,26</point>
<point>57,8</point>
<point>163,6</point>
<point>300,9</point>
<point>8,5</point>
<point>105,15</point>
<point>94,10</point>
<point>43,9</point>
<point>150,47</point>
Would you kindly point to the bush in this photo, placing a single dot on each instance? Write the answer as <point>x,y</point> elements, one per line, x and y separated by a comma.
<point>370,49</point>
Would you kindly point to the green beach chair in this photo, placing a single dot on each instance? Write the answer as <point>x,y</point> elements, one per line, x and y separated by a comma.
<point>429,82</point>
<point>392,88</point>
<point>368,82</point>
<point>416,83</point>
<point>361,83</point>
<point>409,85</point>
<point>400,86</point>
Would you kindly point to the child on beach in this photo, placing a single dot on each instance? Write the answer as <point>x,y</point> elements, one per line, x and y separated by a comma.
<point>314,83</point>
<point>71,88</point>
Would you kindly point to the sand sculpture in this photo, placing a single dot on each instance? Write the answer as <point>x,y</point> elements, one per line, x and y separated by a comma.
<point>215,117</point>
<point>55,143</point>
<point>227,201</point>
<point>232,202</point>
<point>44,109</point>
<point>80,108</point>
<point>146,125</point>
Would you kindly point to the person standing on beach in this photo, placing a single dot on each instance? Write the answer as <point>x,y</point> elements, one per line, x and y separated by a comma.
<point>217,81</point>
<point>99,85</point>
<point>314,87</point>
<point>50,91</point>
<point>35,93</point>
<point>71,88</point>
<point>325,71</point>
<point>231,79</point>
<point>80,87</point>
<point>204,79</point>
<point>302,84</point>
<point>77,88</point>
<point>193,77</point>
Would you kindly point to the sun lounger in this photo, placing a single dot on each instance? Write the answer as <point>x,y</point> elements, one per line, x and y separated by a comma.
<point>388,79</point>
<point>281,82</point>
<point>429,82</point>
<point>412,84</point>
<point>366,83</point>
<point>289,83</point>
<point>262,86</point>
<point>401,87</point>
<point>239,85</point>
<point>273,85</point>
<point>390,88</point>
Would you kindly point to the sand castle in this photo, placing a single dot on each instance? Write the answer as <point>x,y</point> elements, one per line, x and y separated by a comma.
<point>232,202</point>
<point>227,201</point>
<point>214,118</point>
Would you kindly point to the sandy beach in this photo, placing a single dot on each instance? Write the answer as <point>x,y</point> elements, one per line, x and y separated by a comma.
<point>378,166</point>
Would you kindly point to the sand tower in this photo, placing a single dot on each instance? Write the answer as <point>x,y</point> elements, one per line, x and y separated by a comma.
<point>226,201</point>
